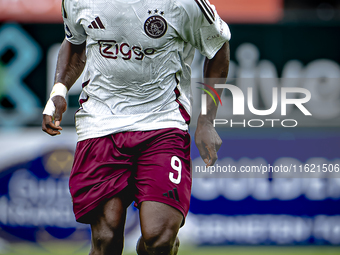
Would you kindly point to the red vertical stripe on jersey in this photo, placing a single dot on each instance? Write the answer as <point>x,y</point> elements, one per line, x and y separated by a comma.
<point>83,100</point>
<point>182,110</point>
<point>85,83</point>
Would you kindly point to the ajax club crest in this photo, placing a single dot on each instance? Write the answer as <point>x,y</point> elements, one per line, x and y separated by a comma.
<point>155,26</point>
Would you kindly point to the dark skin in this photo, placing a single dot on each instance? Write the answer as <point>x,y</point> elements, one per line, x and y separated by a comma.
<point>70,65</point>
<point>207,140</point>
<point>159,222</point>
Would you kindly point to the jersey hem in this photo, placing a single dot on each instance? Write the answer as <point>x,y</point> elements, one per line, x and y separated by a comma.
<point>163,201</point>
<point>183,127</point>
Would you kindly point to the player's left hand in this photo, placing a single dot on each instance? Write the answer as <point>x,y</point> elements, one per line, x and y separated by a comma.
<point>208,142</point>
<point>60,107</point>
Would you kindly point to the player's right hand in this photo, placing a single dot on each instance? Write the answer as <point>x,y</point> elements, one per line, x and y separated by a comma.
<point>207,141</point>
<point>50,127</point>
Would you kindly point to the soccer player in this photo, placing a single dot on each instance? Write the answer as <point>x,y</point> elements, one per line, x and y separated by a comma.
<point>132,124</point>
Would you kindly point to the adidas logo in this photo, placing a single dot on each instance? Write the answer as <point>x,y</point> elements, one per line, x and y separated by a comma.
<point>96,24</point>
<point>171,193</point>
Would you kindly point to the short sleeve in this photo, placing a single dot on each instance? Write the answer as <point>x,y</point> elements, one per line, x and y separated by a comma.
<point>74,31</point>
<point>202,27</point>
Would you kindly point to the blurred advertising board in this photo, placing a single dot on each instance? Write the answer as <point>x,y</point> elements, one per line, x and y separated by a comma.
<point>267,207</point>
<point>249,11</point>
<point>37,11</point>
<point>49,11</point>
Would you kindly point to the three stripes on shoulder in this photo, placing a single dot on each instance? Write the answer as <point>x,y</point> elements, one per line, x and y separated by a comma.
<point>207,10</point>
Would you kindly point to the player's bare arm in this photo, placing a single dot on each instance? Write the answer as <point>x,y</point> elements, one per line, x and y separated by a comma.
<point>207,140</point>
<point>71,62</point>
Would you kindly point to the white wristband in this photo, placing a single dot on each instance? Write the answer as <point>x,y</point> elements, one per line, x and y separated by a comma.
<point>59,89</point>
<point>49,108</point>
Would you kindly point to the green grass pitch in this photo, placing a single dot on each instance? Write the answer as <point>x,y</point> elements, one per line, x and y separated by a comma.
<point>68,248</point>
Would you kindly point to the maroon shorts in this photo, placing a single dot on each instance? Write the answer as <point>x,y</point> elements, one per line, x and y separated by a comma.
<point>155,165</point>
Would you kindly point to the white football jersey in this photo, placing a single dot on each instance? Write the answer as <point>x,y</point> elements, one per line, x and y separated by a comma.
<point>139,53</point>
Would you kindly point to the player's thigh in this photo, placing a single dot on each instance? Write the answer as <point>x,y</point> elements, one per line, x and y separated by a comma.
<point>159,223</point>
<point>163,171</point>
<point>107,226</point>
